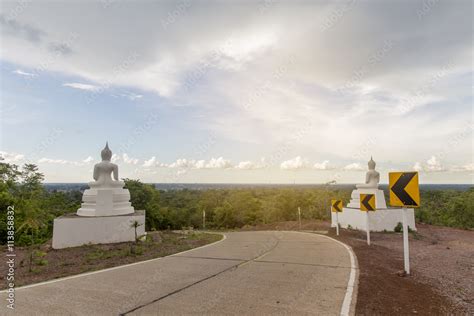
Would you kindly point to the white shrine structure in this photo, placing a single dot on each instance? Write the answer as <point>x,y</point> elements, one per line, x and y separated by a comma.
<point>382,219</point>
<point>106,214</point>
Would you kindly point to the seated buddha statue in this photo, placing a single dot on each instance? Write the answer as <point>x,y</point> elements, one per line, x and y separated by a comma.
<point>372,177</point>
<point>103,171</point>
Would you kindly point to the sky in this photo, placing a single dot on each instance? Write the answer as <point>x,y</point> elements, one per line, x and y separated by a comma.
<point>239,92</point>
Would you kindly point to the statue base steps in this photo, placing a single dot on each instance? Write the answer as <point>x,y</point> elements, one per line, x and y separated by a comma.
<point>380,220</point>
<point>105,202</point>
<point>73,230</point>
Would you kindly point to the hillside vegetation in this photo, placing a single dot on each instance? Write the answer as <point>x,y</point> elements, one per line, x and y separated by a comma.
<point>36,208</point>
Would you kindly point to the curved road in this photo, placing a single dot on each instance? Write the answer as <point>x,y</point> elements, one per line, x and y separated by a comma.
<point>246,273</point>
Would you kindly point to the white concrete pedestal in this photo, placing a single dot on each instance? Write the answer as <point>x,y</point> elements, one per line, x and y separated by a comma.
<point>73,230</point>
<point>380,220</point>
<point>379,198</point>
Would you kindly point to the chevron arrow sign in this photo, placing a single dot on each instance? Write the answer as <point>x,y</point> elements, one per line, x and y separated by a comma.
<point>367,202</point>
<point>404,189</point>
<point>336,205</point>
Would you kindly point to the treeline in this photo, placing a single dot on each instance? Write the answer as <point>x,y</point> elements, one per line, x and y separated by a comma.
<point>447,208</point>
<point>230,208</point>
<point>36,208</point>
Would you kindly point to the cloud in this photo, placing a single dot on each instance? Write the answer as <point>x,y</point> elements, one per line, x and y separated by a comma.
<point>11,157</point>
<point>182,163</point>
<point>247,165</point>
<point>129,160</point>
<point>81,86</point>
<point>353,167</point>
<point>431,165</point>
<point>213,163</point>
<point>322,166</point>
<point>11,26</point>
<point>254,73</point>
<point>218,163</point>
<point>469,167</point>
<point>24,73</point>
<point>295,163</point>
<point>131,96</point>
<point>88,160</point>
<point>150,162</point>
<point>115,158</point>
<point>153,162</point>
<point>60,162</point>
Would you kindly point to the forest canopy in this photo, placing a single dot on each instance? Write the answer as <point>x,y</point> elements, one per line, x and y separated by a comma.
<point>35,207</point>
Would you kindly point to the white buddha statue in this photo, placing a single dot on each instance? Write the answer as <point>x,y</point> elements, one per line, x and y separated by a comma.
<point>371,186</point>
<point>103,171</point>
<point>372,177</point>
<point>106,196</point>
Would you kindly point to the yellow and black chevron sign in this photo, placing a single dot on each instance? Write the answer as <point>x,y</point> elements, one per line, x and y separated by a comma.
<point>336,205</point>
<point>367,202</point>
<point>404,190</point>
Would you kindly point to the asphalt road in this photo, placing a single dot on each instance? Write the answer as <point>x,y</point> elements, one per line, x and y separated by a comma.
<point>246,273</point>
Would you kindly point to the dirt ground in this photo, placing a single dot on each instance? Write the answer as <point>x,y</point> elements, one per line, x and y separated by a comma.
<point>442,264</point>
<point>50,264</point>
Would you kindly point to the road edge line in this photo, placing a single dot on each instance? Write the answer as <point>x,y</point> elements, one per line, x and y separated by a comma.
<point>115,268</point>
<point>350,298</point>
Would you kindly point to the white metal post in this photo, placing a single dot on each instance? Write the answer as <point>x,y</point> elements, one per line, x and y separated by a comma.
<point>337,224</point>
<point>406,250</point>
<point>203,219</point>
<point>299,216</point>
<point>367,226</point>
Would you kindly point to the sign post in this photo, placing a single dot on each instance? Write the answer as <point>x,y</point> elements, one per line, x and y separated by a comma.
<point>336,207</point>
<point>406,249</point>
<point>404,191</point>
<point>203,219</point>
<point>367,203</point>
<point>299,216</point>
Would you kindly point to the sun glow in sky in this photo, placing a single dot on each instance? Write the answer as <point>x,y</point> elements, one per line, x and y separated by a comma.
<point>264,91</point>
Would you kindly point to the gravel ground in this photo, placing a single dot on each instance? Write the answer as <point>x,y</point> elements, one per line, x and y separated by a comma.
<point>442,257</point>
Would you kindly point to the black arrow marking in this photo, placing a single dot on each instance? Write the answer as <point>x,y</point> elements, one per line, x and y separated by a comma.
<point>399,189</point>
<point>366,200</point>
<point>336,206</point>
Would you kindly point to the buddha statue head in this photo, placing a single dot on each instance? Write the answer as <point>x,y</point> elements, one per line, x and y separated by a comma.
<point>106,153</point>
<point>371,164</point>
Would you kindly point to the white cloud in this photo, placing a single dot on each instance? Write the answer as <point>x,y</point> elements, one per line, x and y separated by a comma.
<point>353,166</point>
<point>418,167</point>
<point>131,96</point>
<point>11,157</point>
<point>469,167</point>
<point>88,160</point>
<point>322,166</point>
<point>150,162</point>
<point>115,158</point>
<point>129,160</point>
<point>246,165</point>
<point>218,163</point>
<point>24,73</point>
<point>153,162</point>
<point>295,163</point>
<point>431,165</point>
<point>81,86</point>
<point>252,72</point>
<point>59,162</point>
<point>182,163</point>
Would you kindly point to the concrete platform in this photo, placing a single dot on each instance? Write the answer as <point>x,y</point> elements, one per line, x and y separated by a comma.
<point>380,220</point>
<point>72,230</point>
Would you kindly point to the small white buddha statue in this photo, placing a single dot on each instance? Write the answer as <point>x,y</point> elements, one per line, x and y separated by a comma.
<point>372,177</point>
<point>103,171</point>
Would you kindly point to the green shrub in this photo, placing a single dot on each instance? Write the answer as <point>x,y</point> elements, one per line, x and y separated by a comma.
<point>398,228</point>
